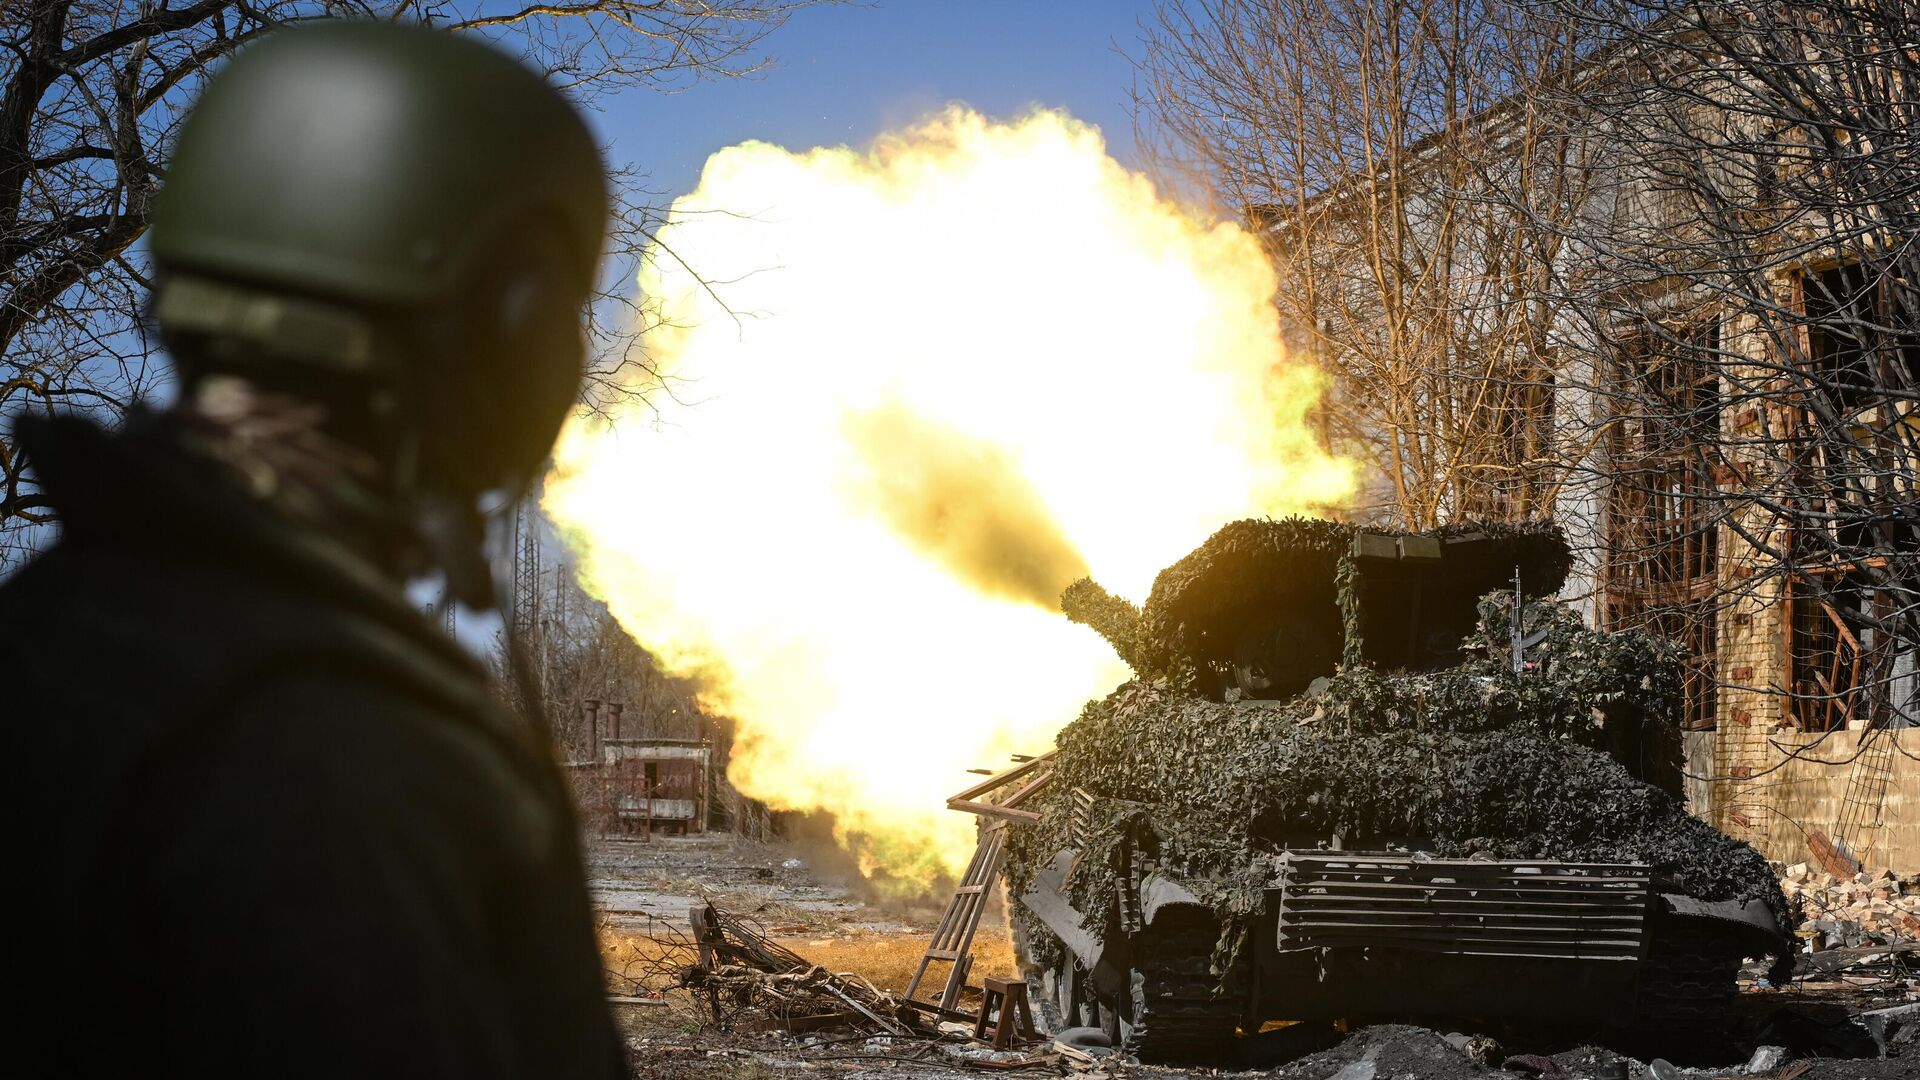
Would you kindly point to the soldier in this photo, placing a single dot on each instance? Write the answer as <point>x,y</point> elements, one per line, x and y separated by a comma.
<point>265,818</point>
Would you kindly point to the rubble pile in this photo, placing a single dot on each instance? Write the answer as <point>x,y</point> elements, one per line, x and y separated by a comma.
<point>1869,908</point>
<point>811,998</point>
<point>1383,1052</point>
<point>749,981</point>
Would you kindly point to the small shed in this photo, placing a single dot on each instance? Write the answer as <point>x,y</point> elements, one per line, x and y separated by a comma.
<point>654,784</point>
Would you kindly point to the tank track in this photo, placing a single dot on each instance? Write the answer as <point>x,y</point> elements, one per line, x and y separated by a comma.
<point>1688,996</point>
<point>1688,985</point>
<point>1182,1012</point>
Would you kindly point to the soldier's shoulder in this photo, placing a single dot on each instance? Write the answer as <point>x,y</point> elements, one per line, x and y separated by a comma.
<point>143,641</point>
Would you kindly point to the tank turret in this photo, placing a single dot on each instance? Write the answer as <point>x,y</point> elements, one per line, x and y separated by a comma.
<point>1265,607</point>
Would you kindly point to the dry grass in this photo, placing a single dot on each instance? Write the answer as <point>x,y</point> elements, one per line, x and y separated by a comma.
<point>638,962</point>
<point>887,960</point>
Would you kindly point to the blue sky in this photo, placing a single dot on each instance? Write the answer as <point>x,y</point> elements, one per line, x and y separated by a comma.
<point>842,75</point>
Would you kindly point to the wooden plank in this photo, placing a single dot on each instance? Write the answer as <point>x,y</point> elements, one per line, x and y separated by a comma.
<point>1033,787</point>
<point>979,790</point>
<point>992,810</point>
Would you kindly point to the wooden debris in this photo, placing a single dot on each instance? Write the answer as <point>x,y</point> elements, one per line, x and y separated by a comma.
<point>750,982</point>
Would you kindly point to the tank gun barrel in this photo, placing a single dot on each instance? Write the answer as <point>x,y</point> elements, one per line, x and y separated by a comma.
<point>1115,619</point>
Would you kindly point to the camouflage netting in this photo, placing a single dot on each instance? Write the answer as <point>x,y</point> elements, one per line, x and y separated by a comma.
<point>1467,760</point>
<point>1117,620</point>
<point>1258,563</point>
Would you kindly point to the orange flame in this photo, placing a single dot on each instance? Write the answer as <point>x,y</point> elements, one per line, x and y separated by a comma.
<point>910,394</point>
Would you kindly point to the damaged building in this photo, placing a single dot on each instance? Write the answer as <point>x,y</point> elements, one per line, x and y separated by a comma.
<point>1708,377</point>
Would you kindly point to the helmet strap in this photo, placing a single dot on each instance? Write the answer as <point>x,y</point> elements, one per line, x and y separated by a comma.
<point>254,329</point>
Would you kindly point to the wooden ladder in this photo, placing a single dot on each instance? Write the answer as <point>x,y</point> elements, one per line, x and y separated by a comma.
<point>997,802</point>
<point>953,941</point>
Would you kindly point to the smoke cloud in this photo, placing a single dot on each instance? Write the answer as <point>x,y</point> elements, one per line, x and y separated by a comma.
<point>895,398</point>
<point>962,501</point>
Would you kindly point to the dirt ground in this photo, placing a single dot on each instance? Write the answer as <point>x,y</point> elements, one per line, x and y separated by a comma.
<point>646,888</point>
<point>643,891</point>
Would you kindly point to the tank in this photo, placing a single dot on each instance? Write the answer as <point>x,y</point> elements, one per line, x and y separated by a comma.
<point>1361,776</point>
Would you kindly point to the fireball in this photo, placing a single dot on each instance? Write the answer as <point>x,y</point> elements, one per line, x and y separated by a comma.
<point>896,399</point>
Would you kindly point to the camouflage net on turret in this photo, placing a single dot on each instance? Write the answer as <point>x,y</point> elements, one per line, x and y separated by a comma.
<point>1256,562</point>
<point>1117,620</point>
<point>1468,760</point>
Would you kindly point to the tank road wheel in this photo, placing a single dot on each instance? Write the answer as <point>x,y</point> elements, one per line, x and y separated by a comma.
<point>1073,994</point>
<point>1279,656</point>
<point>1107,1012</point>
<point>1058,987</point>
<point>1072,1000</point>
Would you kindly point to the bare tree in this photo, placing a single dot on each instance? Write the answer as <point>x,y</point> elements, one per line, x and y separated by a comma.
<point>1417,207</point>
<point>94,89</point>
<point>1700,217</point>
<point>1760,262</point>
<point>580,653</point>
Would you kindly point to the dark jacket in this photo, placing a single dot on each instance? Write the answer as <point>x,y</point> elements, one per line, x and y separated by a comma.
<point>262,816</point>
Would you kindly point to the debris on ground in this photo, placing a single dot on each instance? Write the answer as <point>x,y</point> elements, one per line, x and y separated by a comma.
<point>1896,1031</point>
<point>1878,970</point>
<point>1385,1052</point>
<point>672,1033</point>
<point>1600,1063</point>
<point>749,981</point>
<point>1866,908</point>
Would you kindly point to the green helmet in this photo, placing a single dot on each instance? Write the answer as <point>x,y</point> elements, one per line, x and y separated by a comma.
<point>376,205</point>
<point>370,163</point>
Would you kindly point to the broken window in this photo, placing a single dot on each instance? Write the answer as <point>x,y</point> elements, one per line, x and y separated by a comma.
<point>1853,652</point>
<point>1694,625</point>
<point>1862,339</point>
<point>1852,456</point>
<point>1662,549</point>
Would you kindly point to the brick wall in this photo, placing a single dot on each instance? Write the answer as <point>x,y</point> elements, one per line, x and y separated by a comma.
<point>1755,777</point>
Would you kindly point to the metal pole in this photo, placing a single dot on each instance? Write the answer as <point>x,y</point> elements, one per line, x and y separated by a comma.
<point>1517,625</point>
<point>706,783</point>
